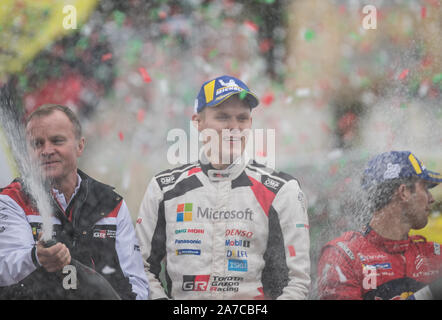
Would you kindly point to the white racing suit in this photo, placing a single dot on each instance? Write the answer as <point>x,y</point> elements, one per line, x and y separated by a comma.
<point>239,233</point>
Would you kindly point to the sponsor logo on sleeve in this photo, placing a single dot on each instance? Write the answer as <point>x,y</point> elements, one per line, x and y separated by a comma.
<point>301,198</point>
<point>346,249</point>
<point>292,251</point>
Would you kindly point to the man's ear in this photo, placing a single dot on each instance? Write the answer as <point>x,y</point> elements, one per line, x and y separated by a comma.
<point>80,146</point>
<point>404,192</point>
<point>196,119</point>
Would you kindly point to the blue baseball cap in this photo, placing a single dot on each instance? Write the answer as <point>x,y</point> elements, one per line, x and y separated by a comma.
<point>395,165</point>
<point>218,90</point>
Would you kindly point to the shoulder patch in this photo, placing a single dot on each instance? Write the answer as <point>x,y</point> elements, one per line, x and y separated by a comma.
<point>166,180</point>
<point>169,177</point>
<point>271,184</point>
<point>346,249</point>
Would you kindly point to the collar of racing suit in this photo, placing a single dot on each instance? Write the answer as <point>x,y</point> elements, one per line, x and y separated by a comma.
<point>388,245</point>
<point>230,173</point>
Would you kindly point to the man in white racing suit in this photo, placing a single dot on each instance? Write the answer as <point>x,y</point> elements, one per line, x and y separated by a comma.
<point>235,230</point>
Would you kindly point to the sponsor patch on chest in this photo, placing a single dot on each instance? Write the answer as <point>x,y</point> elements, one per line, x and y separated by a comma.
<point>104,234</point>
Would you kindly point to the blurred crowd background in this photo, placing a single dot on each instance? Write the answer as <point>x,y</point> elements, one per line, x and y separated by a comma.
<point>335,92</point>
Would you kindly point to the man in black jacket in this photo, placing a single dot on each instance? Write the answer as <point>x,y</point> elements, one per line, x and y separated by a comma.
<point>91,223</point>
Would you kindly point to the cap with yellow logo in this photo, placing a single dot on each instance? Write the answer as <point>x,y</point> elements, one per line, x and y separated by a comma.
<point>216,91</point>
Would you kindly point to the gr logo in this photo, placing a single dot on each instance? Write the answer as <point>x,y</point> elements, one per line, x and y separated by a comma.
<point>195,283</point>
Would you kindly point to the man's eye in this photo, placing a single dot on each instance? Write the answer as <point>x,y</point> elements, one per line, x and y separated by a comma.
<point>36,144</point>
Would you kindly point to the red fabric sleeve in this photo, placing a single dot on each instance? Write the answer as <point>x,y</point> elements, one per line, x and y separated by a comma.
<point>338,279</point>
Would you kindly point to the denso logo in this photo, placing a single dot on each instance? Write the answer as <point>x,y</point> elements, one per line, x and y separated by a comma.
<point>209,213</point>
<point>195,283</point>
<point>240,233</point>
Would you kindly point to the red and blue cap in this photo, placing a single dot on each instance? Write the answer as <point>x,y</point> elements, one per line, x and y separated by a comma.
<point>396,165</point>
<point>218,90</point>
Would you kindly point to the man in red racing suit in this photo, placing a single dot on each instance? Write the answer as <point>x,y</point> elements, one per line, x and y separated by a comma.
<point>368,266</point>
<point>383,261</point>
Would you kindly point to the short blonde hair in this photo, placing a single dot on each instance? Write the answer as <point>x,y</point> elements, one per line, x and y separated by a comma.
<point>47,109</point>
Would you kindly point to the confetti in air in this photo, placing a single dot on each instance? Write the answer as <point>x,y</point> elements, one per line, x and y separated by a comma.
<point>144,75</point>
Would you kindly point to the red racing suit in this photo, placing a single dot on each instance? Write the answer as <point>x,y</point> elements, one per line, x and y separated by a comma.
<point>364,265</point>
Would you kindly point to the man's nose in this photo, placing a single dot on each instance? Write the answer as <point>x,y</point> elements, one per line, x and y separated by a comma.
<point>47,150</point>
<point>233,124</point>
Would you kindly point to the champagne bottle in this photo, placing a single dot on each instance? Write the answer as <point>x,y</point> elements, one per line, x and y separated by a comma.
<point>90,283</point>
